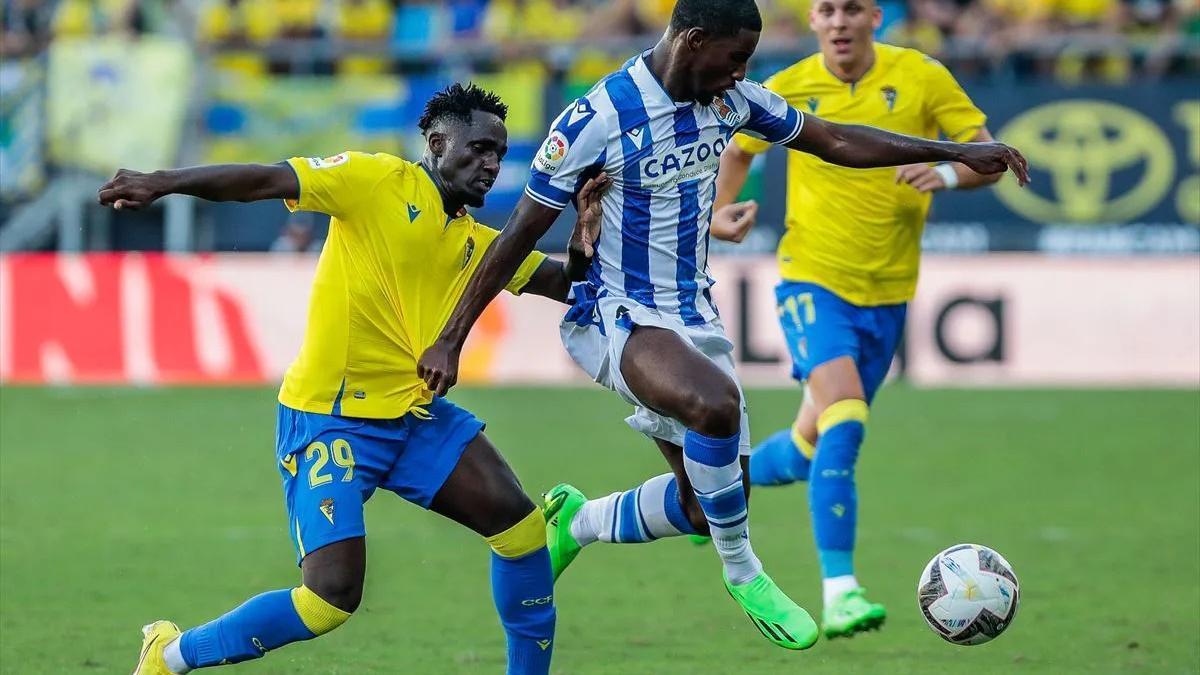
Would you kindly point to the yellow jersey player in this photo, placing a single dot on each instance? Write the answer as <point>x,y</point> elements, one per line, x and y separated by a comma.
<point>354,414</point>
<point>848,261</point>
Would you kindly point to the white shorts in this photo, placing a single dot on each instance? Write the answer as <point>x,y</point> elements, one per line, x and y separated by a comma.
<point>595,331</point>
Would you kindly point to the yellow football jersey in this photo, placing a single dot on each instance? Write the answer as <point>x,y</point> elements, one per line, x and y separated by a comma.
<point>854,231</point>
<point>393,268</point>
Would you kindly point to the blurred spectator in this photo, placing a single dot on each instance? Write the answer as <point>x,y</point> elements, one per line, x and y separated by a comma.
<point>236,22</point>
<point>26,27</point>
<point>298,236</point>
<point>532,22</point>
<point>298,18</point>
<point>363,19</point>
<point>363,22</point>
<point>84,18</point>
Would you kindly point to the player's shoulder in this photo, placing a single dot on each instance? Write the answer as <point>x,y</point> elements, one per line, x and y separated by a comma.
<point>907,59</point>
<point>749,89</point>
<point>384,162</point>
<point>359,162</point>
<point>796,75</point>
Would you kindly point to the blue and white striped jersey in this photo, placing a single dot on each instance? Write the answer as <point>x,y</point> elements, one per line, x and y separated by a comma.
<point>662,156</point>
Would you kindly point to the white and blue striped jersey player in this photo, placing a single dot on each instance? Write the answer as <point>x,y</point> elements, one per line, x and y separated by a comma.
<point>651,262</point>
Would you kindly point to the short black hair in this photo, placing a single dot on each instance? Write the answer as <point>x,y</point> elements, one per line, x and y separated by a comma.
<point>458,102</point>
<point>718,18</point>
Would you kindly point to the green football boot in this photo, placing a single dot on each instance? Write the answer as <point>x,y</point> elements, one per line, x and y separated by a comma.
<point>774,614</point>
<point>561,504</point>
<point>853,613</point>
<point>699,539</point>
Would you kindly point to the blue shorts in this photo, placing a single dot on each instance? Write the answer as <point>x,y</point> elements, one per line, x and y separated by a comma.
<point>820,326</point>
<point>331,465</point>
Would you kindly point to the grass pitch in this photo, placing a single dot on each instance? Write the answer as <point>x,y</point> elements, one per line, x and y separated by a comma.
<point>118,506</point>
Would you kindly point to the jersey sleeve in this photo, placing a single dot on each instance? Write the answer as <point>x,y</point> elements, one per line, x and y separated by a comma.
<point>525,272</point>
<point>336,185</point>
<point>770,118</point>
<point>753,145</point>
<point>948,105</point>
<point>486,236</point>
<point>575,149</point>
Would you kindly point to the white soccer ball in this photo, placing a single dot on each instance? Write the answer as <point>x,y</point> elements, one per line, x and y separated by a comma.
<point>968,594</point>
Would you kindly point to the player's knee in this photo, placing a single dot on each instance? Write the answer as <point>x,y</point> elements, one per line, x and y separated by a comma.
<point>716,411</point>
<point>319,614</point>
<point>524,537</point>
<point>847,410</point>
<point>341,588</point>
<point>513,510</point>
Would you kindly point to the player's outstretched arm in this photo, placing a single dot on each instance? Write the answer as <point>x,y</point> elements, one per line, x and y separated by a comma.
<point>863,147</point>
<point>553,279</point>
<point>947,176</point>
<point>218,183</point>
<point>438,366</point>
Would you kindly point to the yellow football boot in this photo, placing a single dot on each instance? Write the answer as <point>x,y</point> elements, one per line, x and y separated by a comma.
<point>157,636</point>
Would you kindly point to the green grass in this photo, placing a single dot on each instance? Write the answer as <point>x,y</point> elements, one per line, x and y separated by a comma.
<point>122,506</point>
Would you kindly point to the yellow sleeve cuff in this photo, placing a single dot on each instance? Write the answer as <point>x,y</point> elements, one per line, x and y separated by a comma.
<point>751,145</point>
<point>525,272</point>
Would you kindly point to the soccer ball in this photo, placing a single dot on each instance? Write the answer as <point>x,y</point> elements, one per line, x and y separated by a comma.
<point>968,594</point>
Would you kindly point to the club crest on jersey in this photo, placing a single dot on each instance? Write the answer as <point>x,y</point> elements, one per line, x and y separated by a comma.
<point>327,509</point>
<point>328,162</point>
<point>889,96</point>
<point>470,251</point>
<point>727,115</point>
<point>553,151</point>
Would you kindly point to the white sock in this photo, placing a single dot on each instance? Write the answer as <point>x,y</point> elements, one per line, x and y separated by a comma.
<point>590,518</point>
<point>834,587</point>
<point>720,491</point>
<point>645,513</point>
<point>174,659</point>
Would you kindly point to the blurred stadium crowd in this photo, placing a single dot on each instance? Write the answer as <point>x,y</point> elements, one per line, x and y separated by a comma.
<point>87,86</point>
<point>369,35</point>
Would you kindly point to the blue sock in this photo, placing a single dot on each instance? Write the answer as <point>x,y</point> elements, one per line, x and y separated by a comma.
<point>260,624</point>
<point>673,509</point>
<point>523,589</point>
<point>778,461</point>
<point>833,498</point>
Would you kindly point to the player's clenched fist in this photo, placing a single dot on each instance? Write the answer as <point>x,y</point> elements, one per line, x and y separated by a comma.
<point>438,366</point>
<point>131,189</point>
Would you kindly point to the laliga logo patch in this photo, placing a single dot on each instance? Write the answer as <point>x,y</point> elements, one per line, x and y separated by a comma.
<point>328,162</point>
<point>553,151</point>
<point>727,115</point>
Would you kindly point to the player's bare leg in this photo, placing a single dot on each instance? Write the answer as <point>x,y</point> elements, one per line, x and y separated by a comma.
<point>483,494</point>
<point>331,591</point>
<point>675,379</point>
<point>336,572</point>
<point>841,408</point>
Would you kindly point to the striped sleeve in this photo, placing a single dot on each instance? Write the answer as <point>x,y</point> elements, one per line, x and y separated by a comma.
<point>770,117</point>
<point>574,148</point>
